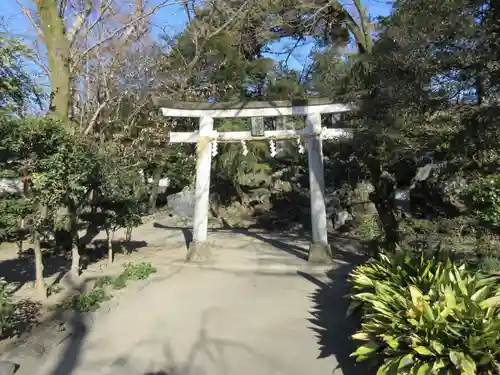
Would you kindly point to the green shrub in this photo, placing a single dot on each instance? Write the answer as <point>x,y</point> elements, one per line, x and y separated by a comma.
<point>10,221</point>
<point>368,227</point>
<point>485,196</point>
<point>423,314</point>
<point>139,271</point>
<point>86,302</point>
<point>6,307</point>
<point>102,281</point>
<point>490,264</point>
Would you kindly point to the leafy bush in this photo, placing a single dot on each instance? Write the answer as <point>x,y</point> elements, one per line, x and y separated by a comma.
<point>10,221</point>
<point>139,271</point>
<point>103,281</point>
<point>121,191</point>
<point>422,314</point>
<point>6,307</point>
<point>86,302</point>
<point>132,271</point>
<point>486,198</point>
<point>490,264</point>
<point>368,227</point>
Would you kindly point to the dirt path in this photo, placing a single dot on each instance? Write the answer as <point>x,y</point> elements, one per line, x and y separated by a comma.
<point>255,308</point>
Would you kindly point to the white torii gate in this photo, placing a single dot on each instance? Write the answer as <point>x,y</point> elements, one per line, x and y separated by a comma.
<point>319,251</point>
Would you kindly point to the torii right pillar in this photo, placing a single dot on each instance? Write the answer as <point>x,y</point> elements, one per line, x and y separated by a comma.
<point>320,250</point>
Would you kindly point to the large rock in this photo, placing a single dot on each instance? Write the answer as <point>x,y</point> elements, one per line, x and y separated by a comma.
<point>402,199</point>
<point>259,196</point>
<point>163,185</point>
<point>341,219</point>
<point>182,203</point>
<point>10,186</point>
<point>360,200</point>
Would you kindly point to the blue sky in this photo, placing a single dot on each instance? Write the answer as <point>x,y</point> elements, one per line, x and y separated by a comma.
<point>175,19</point>
<point>172,19</point>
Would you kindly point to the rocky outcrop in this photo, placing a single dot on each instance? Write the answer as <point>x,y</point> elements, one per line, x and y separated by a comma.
<point>182,203</point>
<point>11,187</point>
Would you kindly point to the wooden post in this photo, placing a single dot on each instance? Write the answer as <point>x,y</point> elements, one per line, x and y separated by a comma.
<point>319,251</point>
<point>199,249</point>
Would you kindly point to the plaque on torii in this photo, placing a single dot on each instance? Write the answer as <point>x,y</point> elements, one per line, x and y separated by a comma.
<point>207,138</point>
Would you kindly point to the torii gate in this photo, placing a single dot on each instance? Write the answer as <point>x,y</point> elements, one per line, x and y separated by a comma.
<point>207,138</point>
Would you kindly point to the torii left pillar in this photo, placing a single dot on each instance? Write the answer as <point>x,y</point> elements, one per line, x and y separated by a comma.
<point>199,249</point>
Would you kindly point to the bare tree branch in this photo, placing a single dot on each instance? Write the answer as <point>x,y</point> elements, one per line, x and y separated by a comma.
<point>124,27</point>
<point>28,14</point>
<point>81,17</point>
<point>102,11</point>
<point>96,114</point>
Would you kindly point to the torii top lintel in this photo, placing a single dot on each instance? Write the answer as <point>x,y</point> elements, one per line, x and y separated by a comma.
<point>298,107</point>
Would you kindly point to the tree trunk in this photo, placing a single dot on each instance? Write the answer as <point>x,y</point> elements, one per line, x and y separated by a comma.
<point>214,204</point>
<point>110,237</point>
<point>62,225</point>
<point>39,282</point>
<point>75,255</point>
<point>389,222</point>
<point>362,33</point>
<point>480,89</point>
<point>154,188</point>
<point>128,234</point>
<point>384,185</point>
<point>20,242</point>
<point>243,197</point>
<point>53,29</point>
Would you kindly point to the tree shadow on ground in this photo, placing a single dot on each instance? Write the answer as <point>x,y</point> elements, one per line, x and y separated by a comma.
<point>19,271</point>
<point>79,330</point>
<point>187,232</point>
<point>99,250</point>
<point>295,250</point>
<point>343,246</point>
<point>50,333</point>
<point>332,327</point>
<point>205,346</point>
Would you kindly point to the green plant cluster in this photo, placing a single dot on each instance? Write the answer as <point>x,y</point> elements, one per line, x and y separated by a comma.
<point>139,271</point>
<point>368,227</point>
<point>6,307</point>
<point>13,211</point>
<point>17,88</point>
<point>86,302</point>
<point>91,301</point>
<point>132,271</point>
<point>486,197</point>
<point>121,189</point>
<point>424,314</point>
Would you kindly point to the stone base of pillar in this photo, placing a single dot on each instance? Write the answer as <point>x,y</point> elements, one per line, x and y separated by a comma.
<point>198,251</point>
<point>320,253</point>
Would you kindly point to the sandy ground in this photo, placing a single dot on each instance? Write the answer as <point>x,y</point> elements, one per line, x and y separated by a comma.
<point>256,307</point>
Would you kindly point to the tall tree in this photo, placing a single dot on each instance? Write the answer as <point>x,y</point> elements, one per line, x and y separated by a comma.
<point>73,30</point>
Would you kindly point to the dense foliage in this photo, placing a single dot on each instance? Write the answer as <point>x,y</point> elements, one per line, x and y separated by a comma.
<point>426,314</point>
<point>17,88</point>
